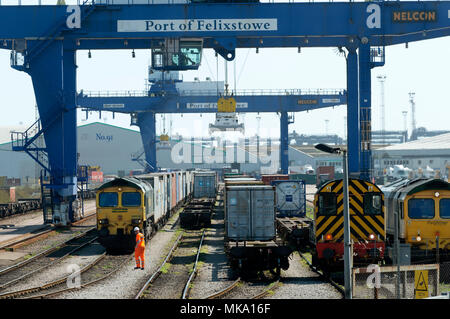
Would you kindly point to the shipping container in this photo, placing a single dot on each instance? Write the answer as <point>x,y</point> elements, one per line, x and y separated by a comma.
<point>308,178</point>
<point>290,197</point>
<point>267,179</point>
<point>250,213</point>
<point>96,176</point>
<point>243,181</point>
<point>173,187</point>
<point>153,179</point>
<point>324,174</point>
<point>183,185</point>
<point>205,184</point>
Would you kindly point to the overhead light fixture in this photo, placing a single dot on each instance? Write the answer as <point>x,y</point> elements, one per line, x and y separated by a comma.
<point>257,50</point>
<point>327,149</point>
<point>406,45</point>
<point>89,54</point>
<point>299,49</point>
<point>133,54</point>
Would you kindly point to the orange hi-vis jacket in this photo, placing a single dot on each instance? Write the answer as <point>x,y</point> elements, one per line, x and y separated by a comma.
<point>140,240</point>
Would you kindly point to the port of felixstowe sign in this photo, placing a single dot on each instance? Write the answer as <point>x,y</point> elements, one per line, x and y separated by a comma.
<point>197,25</point>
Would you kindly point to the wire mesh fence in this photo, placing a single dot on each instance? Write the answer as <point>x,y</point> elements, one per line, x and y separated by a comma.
<point>403,282</point>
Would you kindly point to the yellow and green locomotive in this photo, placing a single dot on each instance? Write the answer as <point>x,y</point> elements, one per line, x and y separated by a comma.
<point>422,209</point>
<point>123,204</point>
<point>367,223</point>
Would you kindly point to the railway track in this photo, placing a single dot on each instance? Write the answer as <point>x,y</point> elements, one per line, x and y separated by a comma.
<point>100,269</point>
<point>31,238</point>
<point>175,269</point>
<point>16,273</point>
<point>240,289</point>
<point>322,274</point>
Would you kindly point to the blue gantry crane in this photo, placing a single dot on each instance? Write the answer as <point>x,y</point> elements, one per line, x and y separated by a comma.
<point>43,40</point>
<point>163,97</point>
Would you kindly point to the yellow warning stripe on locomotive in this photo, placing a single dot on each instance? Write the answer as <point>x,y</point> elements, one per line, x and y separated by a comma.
<point>361,225</point>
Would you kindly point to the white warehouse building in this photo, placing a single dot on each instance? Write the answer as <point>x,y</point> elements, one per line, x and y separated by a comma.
<point>419,156</point>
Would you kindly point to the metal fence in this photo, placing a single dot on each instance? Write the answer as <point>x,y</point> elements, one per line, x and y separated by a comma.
<point>403,282</point>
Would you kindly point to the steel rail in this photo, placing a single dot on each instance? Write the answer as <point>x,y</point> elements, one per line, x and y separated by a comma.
<point>41,296</point>
<point>51,284</point>
<point>9,283</point>
<point>14,241</point>
<point>159,270</point>
<point>267,290</point>
<point>187,288</point>
<point>41,254</point>
<point>224,291</point>
<point>23,238</point>
<point>322,274</point>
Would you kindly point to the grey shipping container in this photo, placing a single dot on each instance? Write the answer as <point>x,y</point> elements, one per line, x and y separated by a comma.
<point>204,184</point>
<point>250,213</point>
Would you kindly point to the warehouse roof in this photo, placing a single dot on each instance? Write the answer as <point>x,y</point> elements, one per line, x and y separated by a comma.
<point>314,152</point>
<point>428,143</point>
<point>5,131</point>
<point>110,125</point>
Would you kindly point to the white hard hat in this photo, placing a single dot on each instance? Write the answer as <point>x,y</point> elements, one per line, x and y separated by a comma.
<point>136,229</point>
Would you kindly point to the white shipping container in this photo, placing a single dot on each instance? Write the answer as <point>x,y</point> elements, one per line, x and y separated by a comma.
<point>157,208</point>
<point>291,197</point>
<point>250,212</point>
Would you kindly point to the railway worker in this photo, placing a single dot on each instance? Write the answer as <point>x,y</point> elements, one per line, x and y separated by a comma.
<point>139,249</point>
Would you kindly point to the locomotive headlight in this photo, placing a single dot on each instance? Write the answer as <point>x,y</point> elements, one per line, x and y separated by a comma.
<point>437,194</point>
<point>328,237</point>
<point>103,221</point>
<point>418,238</point>
<point>135,221</point>
<point>372,236</point>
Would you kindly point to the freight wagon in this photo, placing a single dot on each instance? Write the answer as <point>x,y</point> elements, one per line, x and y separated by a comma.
<point>292,224</point>
<point>199,210</point>
<point>22,206</point>
<point>250,230</point>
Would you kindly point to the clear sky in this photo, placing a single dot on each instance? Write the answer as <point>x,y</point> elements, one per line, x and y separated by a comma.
<point>422,68</point>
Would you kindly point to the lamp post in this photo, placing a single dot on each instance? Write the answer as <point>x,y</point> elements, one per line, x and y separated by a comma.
<point>347,245</point>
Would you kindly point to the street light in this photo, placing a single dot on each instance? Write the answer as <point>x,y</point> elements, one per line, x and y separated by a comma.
<point>347,245</point>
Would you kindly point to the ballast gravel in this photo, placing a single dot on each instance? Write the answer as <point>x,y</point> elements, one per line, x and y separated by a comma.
<point>300,282</point>
<point>61,269</point>
<point>127,282</point>
<point>214,273</point>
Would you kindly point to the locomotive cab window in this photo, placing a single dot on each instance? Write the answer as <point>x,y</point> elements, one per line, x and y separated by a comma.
<point>131,199</point>
<point>108,199</point>
<point>444,207</point>
<point>327,204</point>
<point>421,208</point>
<point>372,204</point>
